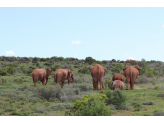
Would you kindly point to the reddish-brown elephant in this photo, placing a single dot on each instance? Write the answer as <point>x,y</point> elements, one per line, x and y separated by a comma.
<point>118,84</point>
<point>40,75</point>
<point>118,77</point>
<point>97,73</point>
<point>61,75</point>
<point>136,62</point>
<point>131,74</point>
<point>128,60</point>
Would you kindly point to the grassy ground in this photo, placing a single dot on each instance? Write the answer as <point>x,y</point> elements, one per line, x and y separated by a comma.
<point>140,94</point>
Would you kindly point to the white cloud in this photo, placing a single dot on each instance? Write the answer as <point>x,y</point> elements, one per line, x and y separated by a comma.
<point>10,52</point>
<point>107,50</point>
<point>76,42</point>
<point>75,55</point>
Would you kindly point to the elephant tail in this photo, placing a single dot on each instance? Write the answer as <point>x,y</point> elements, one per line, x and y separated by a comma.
<point>98,72</point>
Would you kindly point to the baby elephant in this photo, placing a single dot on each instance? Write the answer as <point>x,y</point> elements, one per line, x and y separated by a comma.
<point>118,84</point>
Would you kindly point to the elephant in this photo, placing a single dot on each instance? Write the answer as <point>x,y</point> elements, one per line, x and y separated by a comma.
<point>131,74</point>
<point>118,84</point>
<point>61,75</point>
<point>40,74</point>
<point>136,62</point>
<point>97,73</point>
<point>128,60</point>
<point>118,77</point>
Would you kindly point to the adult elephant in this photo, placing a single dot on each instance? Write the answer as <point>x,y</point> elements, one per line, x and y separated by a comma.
<point>136,62</point>
<point>118,84</point>
<point>97,73</point>
<point>40,75</point>
<point>61,75</point>
<point>118,77</point>
<point>131,74</point>
<point>128,60</point>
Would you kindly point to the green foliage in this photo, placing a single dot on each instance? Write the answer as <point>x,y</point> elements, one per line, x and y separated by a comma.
<point>18,80</point>
<point>84,70</point>
<point>47,64</point>
<point>28,72</point>
<point>11,70</point>
<point>136,105</point>
<point>105,61</point>
<point>115,70</point>
<point>147,103</point>
<point>117,97</point>
<point>91,105</point>
<point>108,83</point>
<point>158,113</point>
<point>89,60</point>
<point>132,62</point>
<point>3,81</point>
<point>160,95</point>
<point>152,81</point>
<point>35,60</point>
<point>156,88</point>
<point>37,64</point>
<point>3,73</point>
<point>54,68</point>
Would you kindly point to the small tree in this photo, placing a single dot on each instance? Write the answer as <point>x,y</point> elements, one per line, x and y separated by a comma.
<point>11,70</point>
<point>89,60</point>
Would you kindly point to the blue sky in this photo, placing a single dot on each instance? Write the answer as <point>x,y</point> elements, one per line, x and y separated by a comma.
<point>103,33</point>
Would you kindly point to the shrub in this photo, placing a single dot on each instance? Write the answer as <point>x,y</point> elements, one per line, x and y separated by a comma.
<point>136,109</point>
<point>11,70</point>
<point>147,103</point>
<point>3,81</point>
<point>158,113</point>
<point>39,110</point>
<point>156,88</point>
<point>117,97</point>
<point>19,80</point>
<point>3,73</point>
<point>136,105</point>
<point>108,84</point>
<point>160,95</point>
<point>91,105</point>
<point>89,60</point>
<point>123,107</point>
<point>54,68</point>
<point>152,81</point>
<point>84,70</point>
<point>14,113</point>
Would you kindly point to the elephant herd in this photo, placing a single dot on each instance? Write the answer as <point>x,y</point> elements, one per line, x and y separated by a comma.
<point>97,73</point>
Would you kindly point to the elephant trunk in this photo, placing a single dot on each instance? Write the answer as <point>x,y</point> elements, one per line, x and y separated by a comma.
<point>72,80</point>
<point>46,80</point>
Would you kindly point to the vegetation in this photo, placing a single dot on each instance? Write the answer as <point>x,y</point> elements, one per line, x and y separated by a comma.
<point>19,97</point>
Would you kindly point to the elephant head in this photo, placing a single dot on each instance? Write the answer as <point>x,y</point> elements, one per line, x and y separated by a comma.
<point>137,67</point>
<point>48,72</point>
<point>70,74</point>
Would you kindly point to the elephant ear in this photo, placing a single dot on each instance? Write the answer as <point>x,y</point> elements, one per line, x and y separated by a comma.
<point>113,77</point>
<point>137,67</point>
<point>91,68</point>
<point>48,72</point>
<point>125,68</point>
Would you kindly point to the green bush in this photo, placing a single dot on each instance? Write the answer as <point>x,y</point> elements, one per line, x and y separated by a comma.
<point>136,105</point>
<point>89,60</point>
<point>3,81</point>
<point>156,88</point>
<point>158,113</point>
<point>10,70</point>
<point>91,105</point>
<point>108,84</point>
<point>147,103</point>
<point>54,68</point>
<point>84,70</point>
<point>18,80</point>
<point>3,73</point>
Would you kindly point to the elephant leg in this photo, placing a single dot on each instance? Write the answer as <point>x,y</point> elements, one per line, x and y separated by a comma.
<point>34,84</point>
<point>69,80</point>
<point>43,81</point>
<point>101,84</point>
<point>127,80</point>
<point>94,87</point>
<point>62,84</point>
<point>96,84</point>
